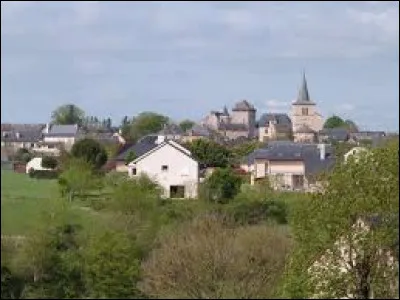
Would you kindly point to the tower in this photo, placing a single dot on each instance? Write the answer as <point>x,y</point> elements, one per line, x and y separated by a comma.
<point>304,111</point>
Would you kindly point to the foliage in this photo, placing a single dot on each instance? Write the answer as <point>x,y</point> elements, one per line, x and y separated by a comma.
<point>111,269</point>
<point>68,114</point>
<point>91,151</point>
<point>366,190</point>
<point>49,162</point>
<point>334,122</point>
<point>77,179</point>
<point>23,155</point>
<point>186,124</point>
<point>145,123</point>
<point>241,150</point>
<point>210,153</point>
<point>131,156</point>
<point>43,174</point>
<point>351,126</point>
<point>207,259</point>
<point>221,186</point>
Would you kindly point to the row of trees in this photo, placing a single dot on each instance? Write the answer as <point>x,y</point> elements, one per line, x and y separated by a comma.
<point>337,122</point>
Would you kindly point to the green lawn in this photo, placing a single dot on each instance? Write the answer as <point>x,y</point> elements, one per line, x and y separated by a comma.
<point>25,202</point>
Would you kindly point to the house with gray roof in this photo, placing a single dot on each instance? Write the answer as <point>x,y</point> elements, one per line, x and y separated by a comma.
<point>15,136</point>
<point>65,135</point>
<point>290,166</point>
<point>329,135</point>
<point>274,126</point>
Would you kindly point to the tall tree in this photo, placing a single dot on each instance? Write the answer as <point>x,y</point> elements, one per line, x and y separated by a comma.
<point>351,125</point>
<point>210,153</point>
<point>68,114</point>
<point>186,124</point>
<point>335,257</point>
<point>91,151</point>
<point>145,123</point>
<point>334,122</point>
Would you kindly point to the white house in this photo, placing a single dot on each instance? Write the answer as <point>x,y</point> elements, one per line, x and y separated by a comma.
<point>171,166</point>
<point>63,134</point>
<point>35,164</point>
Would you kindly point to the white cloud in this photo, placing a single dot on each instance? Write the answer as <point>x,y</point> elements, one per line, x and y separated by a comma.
<point>346,107</point>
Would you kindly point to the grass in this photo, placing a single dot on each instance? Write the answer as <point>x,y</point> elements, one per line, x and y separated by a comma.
<point>25,202</point>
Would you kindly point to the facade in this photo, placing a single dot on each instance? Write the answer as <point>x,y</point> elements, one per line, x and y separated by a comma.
<point>241,122</point>
<point>35,164</point>
<point>195,133</point>
<point>304,111</point>
<point>304,134</point>
<point>290,166</point>
<point>274,126</point>
<point>66,135</point>
<point>16,136</point>
<point>172,167</point>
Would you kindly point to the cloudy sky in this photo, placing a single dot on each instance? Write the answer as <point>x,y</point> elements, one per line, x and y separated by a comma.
<point>186,58</point>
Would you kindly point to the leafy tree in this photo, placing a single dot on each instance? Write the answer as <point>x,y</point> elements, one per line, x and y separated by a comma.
<point>111,267</point>
<point>351,126</point>
<point>210,153</point>
<point>334,122</point>
<point>67,115</point>
<point>221,186</point>
<point>186,124</point>
<point>206,259</point>
<point>131,156</point>
<point>241,150</point>
<point>91,151</point>
<point>23,155</point>
<point>49,162</point>
<point>77,178</point>
<point>326,232</point>
<point>145,123</point>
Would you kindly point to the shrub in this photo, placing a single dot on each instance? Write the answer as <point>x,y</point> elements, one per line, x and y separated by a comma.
<point>49,162</point>
<point>91,151</point>
<point>43,174</point>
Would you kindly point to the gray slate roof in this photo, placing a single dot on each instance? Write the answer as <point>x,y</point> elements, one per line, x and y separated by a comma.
<point>243,105</point>
<point>171,129</point>
<point>198,130</point>
<point>303,97</point>
<point>233,127</point>
<point>281,119</point>
<point>23,133</point>
<point>286,150</point>
<point>335,134</point>
<point>62,131</point>
<point>144,145</point>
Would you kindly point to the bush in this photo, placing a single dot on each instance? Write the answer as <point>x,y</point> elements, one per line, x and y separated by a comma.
<point>91,151</point>
<point>26,157</point>
<point>43,174</point>
<point>49,162</point>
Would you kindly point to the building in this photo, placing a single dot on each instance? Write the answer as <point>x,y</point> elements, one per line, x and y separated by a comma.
<point>172,132</point>
<point>66,135</point>
<point>35,164</point>
<point>172,167</point>
<point>16,136</point>
<point>333,135</point>
<point>274,126</point>
<point>304,111</point>
<point>241,122</point>
<point>195,133</point>
<point>290,166</point>
<point>304,134</point>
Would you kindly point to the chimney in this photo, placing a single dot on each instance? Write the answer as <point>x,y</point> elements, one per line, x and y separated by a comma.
<point>322,151</point>
<point>47,128</point>
<point>17,135</point>
<point>160,139</point>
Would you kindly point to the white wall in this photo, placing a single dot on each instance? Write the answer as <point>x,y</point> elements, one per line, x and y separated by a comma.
<point>182,170</point>
<point>36,164</point>
<point>67,141</point>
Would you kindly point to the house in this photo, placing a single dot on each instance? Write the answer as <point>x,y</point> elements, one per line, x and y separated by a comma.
<point>16,136</point>
<point>172,132</point>
<point>290,166</point>
<point>48,148</point>
<point>67,135</point>
<point>35,164</point>
<point>340,263</point>
<point>241,122</point>
<point>329,135</point>
<point>304,111</point>
<point>172,167</point>
<point>195,133</point>
<point>274,126</point>
<point>142,146</point>
<point>354,152</point>
<point>371,137</point>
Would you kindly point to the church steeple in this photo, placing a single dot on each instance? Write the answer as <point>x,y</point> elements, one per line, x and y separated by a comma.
<point>303,97</point>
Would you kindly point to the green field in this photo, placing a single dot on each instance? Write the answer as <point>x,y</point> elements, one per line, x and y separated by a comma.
<point>26,201</point>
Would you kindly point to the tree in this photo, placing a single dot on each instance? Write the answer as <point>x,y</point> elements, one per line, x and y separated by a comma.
<point>186,124</point>
<point>145,123</point>
<point>111,267</point>
<point>67,115</point>
<point>131,156</point>
<point>241,150</point>
<point>91,151</point>
<point>221,186</point>
<point>49,162</point>
<point>351,126</point>
<point>210,153</point>
<point>207,259</point>
<point>77,178</point>
<point>334,122</point>
<point>327,235</point>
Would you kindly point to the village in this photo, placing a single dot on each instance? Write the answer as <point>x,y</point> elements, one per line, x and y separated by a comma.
<point>292,149</point>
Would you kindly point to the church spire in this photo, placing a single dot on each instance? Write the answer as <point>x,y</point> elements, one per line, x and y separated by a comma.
<point>303,96</point>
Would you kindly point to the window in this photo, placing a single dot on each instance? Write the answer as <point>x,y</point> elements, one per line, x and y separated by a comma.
<point>50,146</point>
<point>164,168</point>
<point>133,171</point>
<point>304,111</point>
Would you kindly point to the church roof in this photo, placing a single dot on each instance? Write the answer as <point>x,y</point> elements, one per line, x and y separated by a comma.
<point>303,97</point>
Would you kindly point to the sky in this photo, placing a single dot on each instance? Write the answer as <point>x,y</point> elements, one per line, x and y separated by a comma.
<point>184,59</point>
